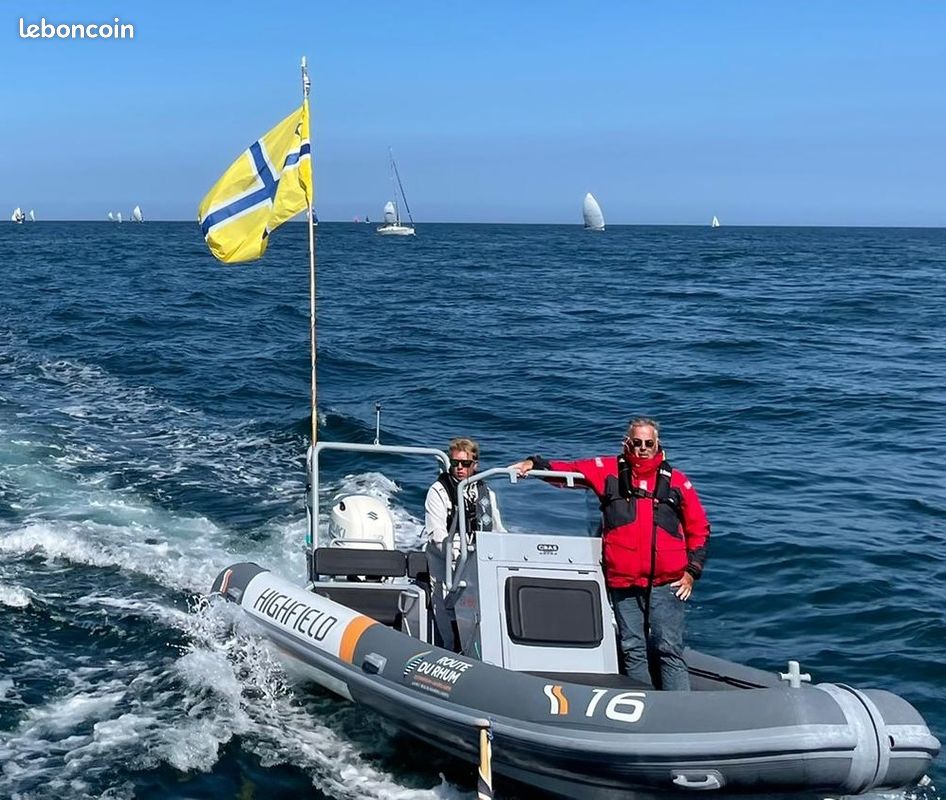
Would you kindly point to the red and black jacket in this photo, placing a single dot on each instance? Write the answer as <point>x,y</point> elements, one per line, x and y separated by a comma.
<point>654,527</point>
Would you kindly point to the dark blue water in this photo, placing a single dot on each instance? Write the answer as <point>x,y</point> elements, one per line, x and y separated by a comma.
<point>154,416</point>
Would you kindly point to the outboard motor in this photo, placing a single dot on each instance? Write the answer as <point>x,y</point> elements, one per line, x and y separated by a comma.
<point>361,522</point>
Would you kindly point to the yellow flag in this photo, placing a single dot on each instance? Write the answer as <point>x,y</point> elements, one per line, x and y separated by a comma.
<point>269,183</point>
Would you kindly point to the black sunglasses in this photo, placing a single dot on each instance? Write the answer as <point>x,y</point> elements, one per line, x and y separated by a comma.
<point>462,462</point>
<point>641,442</point>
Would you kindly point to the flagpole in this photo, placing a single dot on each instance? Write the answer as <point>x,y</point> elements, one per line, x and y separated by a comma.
<point>312,318</point>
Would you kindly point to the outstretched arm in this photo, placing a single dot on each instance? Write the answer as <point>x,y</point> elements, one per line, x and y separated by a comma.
<point>525,466</point>
<point>593,470</point>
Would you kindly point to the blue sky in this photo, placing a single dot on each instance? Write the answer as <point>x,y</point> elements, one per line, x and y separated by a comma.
<point>777,113</point>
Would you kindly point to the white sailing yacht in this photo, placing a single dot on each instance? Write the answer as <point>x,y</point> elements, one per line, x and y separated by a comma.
<point>31,216</point>
<point>591,211</point>
<point>715,222</point>
<point>111,217</point>
<point>118,216</point>
<point>18,216</point>
<point>136,214</point>
<point>392,215</point>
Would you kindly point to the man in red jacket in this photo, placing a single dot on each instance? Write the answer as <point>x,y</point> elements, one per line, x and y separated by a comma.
<point>654,538</point>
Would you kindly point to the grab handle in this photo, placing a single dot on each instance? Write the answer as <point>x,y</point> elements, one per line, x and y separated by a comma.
<point>700,781</point>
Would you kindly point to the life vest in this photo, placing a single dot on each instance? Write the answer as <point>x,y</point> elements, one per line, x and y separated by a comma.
<point>478,511</point>
<point>643,540</point>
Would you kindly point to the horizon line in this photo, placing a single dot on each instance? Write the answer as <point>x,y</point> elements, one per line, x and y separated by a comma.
<point>563,224</point>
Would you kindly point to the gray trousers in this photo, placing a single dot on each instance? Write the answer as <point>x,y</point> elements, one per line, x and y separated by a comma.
<point>665,642</point>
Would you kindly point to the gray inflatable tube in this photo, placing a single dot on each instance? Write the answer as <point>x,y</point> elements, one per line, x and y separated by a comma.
<point>592,741</point>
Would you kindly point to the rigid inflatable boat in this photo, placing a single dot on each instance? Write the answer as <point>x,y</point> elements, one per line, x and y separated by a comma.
<point>538,668</point>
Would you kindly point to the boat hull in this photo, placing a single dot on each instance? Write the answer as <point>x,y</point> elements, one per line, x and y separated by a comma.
<point>588,741</point>
<point>395,230</point>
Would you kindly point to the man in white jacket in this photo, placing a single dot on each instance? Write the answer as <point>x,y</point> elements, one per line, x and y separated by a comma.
<point>442,518</point>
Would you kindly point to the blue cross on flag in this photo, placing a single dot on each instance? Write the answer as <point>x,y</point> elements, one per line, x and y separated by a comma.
<point>268,184</point>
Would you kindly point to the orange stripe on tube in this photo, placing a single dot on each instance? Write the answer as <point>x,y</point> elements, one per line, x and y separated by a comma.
<point>351,636</point>
<point>562,700</point>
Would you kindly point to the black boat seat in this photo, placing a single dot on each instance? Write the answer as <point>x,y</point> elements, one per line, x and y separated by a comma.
<point>417,565</point>
<point>336,561</point>
<point>380,602</point>
<point>333,562</point>
<point>400,605</point>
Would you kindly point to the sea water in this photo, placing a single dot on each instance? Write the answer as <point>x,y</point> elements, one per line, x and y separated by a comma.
<point>154,415</point>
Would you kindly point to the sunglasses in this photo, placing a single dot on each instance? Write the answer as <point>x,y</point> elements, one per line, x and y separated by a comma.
<point>462,462</point>
<point>640,442</point>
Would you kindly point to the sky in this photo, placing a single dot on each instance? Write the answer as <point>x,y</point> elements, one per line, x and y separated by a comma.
<point>669,111</point>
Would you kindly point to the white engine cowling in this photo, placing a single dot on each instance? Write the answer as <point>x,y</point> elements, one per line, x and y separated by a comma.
<point>361,521</point>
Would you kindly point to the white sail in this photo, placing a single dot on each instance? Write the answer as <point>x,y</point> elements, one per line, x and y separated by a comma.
<point>715,222</point>
<point>17,215</point>
<point>136,214</point>
<point>118,216</point>
<point>392,209</point>
<point>591,211</point>
<point>111,217</point>
<point>31,216</point>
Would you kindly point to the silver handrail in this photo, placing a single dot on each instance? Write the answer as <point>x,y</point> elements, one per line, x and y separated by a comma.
<point>513,475</point>
<point>312,462</point>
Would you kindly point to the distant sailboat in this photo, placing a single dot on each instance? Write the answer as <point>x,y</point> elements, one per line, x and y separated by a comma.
<point>31,216</point>
<point>392,215</point>
<point>18,216</point>
<point>118,216</point>
<point>111,217</point>
<point>591,211</point>
<point>136,214</point>
<point>715,222</point>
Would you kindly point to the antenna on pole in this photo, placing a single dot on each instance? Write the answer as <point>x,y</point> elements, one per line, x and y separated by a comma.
<point>377,422</point>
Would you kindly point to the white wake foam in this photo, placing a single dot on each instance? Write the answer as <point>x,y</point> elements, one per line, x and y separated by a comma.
<point>14,596</point>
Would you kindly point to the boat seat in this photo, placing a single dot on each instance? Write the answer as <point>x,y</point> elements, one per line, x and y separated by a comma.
<point>417,566</point>
<point>367,564</point>
<point>401,606</point>
<point>380,602</point>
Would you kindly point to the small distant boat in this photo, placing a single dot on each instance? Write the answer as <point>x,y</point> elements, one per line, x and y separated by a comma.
<point>392,215</point>
<point>31,216</point>
<point>18,216</point>
<point>118,216</point>
<point>715,222</point>
<point>591,211</point>
<point>136,215</point>
<point>111,217</point>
